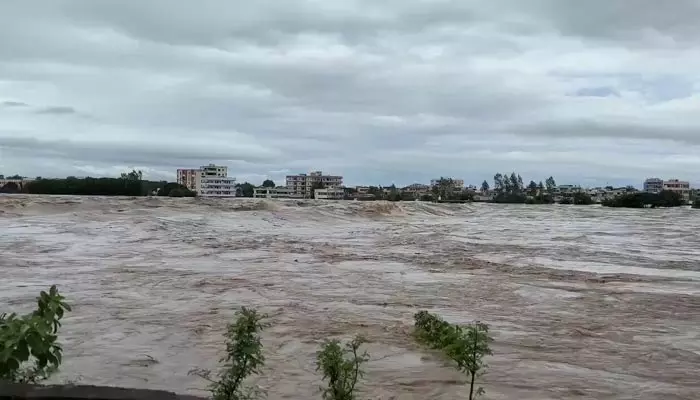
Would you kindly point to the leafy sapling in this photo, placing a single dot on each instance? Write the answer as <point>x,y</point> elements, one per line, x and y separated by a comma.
<point>341,367</point>
<point>29,350</point>
<point>243,358</point>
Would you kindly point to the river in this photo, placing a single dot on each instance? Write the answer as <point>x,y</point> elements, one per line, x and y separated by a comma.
<point>582,301</point>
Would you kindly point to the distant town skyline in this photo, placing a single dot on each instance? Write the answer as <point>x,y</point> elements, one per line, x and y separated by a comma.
<point>380,92</point>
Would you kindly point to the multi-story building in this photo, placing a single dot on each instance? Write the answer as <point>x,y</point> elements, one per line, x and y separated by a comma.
<point>457,183</point>
<point>208,181</point>
<point>680,187</point>
<point>303,184</point>
<point>334,193</point>
<point>653,185</point>
<point>188,178</point>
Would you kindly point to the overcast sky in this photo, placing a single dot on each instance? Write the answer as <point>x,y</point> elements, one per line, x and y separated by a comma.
<point>390,91</point>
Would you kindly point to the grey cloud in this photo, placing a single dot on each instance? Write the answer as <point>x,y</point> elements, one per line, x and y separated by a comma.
<point>166,153</point>
<point>378,91</point>
<point>598,92</point>
<point>10,103</point>
<point>58,110</point>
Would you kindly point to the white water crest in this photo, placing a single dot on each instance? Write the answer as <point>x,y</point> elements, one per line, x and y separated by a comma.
<point>583,301</point>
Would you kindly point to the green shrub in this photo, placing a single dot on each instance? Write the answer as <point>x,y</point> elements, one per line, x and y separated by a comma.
<point>29,351</point>
<point>341,366</point>
<point>243,358</point>
<point>466,346</point>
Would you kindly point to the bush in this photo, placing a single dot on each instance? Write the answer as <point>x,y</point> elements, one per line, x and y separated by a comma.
<point>665,198</point>
<point>510,198</point>
<point>29,351</point>
<point>467,347</point>
<point>341,368</point>
<point>243,358</point>
<point>696,203</point>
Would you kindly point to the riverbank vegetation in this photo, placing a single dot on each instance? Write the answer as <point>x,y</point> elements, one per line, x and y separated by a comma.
<point>664,198</point>
<point>465,346</point>
<point>30,352</point>
<point>128,184</point>
<point>29,348</point>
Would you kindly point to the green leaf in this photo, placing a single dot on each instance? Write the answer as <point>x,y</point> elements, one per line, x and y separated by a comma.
<point>21,352</point>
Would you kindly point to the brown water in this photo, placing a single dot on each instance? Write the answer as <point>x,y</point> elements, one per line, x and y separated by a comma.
<point>584,302</point>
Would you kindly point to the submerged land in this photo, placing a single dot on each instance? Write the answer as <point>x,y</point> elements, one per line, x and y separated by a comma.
<point>583,302</point>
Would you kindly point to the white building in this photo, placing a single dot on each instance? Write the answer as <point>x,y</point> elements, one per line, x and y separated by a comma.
<point>653,185</point>
<point>680,187</point>
<point>457,183</point>
<point>302,185</point>
<point>329,194</point>
<point>208,181</point>
<point>279,192</point>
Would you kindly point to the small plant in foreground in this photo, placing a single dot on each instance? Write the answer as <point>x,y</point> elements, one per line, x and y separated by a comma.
<point>29,351</point>
<point>466,346</point>
<point>243,358</point>
<point>341,366</point>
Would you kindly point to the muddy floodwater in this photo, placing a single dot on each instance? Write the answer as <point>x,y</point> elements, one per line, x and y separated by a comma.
<point>583,302</point>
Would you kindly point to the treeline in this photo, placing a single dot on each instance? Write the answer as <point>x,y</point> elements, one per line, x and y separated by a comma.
<point>665,198</point>
<point>128,184</point>
<point>510,188</point>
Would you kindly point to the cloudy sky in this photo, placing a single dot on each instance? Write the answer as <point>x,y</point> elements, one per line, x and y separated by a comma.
<point>592,92</point>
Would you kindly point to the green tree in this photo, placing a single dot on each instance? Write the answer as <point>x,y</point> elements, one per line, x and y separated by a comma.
<point>498,184</point>
<point>484,186</point>
<point>507,184</point>
<point>245,189</point>
<point>532,189</point>
<point>244,358</point>
<point>29,350</point>
<point>341,367</point>
<point>551,185</point>
<point>268,183</point>
<point>582,198</point>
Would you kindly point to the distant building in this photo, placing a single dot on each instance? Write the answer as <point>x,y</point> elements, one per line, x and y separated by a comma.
<point>680,187</point>
<point>302,185</point>
<point>208,181</point>
<point>280,192</point>
<point>417,189</point>
<point>653,185</point>
<point>329,194</point>
<point>457,183</point>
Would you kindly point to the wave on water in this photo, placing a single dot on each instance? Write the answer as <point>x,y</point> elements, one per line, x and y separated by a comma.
<point>32,205</point>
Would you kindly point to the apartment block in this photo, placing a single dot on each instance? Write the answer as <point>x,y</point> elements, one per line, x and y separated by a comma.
<point>208,181</point>
<point>678,186</point>
<point>302,185</point>
<point>653,185</point>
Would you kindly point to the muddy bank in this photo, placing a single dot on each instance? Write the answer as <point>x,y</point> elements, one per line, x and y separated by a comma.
<point>584,302</point>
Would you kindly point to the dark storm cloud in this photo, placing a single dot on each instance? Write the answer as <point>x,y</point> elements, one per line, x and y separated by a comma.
<point>376,90</point>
